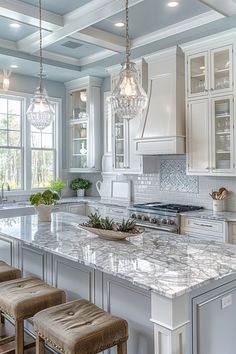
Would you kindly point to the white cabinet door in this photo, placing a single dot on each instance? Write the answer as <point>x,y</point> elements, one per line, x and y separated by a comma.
<point>77,209</point>
<point>198,78</point>
<point>198,145</point>
<point>222,69</point>
<point>223,136</point>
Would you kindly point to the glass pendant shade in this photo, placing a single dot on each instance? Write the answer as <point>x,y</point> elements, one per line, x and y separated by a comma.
<point>40,112</point>
<point>128,99</point>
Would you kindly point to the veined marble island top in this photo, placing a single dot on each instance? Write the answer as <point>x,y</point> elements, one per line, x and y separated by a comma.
<point>168,264</point>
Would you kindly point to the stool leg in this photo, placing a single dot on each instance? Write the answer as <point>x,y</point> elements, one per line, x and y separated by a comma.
<point>19,328</point>
<point>39,344</point>
<point>122,348</point>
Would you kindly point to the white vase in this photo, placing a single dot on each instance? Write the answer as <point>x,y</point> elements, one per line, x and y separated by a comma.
<point>218,205</point>
<point>44,212</point>
<point>80,192</point>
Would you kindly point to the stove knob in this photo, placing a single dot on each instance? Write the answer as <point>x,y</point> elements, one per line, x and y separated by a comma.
<point>133,216</point>
<point>138,216</point>
<point>163,221</point>
<point>170,222</point>
<point>157,221</point>
<point>151,220</point>
<point>143,218</point>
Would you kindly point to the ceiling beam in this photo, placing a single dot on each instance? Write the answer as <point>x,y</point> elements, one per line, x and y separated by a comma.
<point>29,14</point>
<point>226,7</point>
<point>101,39</point>
<point>87,15</point>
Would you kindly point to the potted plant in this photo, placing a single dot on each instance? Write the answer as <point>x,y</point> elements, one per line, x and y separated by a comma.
<point>43,203</point>
<point>57,186</point>
<point>80,185</point>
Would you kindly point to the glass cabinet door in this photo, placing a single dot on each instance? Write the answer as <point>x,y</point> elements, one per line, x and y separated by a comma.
<point>221,69</point>
<point>223,133</point>
<point>197,74</point>
<point>79,141</point>
<point>119,145</point>
<point>78,104</point>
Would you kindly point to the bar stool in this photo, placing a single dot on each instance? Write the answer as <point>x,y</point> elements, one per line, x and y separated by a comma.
<point>80,327</point>
<point>7,273</point>
<point>23,298</point>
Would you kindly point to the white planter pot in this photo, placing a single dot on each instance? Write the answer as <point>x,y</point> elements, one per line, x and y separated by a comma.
<point>44,212</point>
<point>218,205</point>
<point>80,192</point>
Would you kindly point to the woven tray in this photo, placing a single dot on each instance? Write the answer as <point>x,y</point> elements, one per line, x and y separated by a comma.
<point>113,235</point>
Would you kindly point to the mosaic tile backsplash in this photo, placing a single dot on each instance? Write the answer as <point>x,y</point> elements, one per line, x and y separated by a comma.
<point>173,177</point>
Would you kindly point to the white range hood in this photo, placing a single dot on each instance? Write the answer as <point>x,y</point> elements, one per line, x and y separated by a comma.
<point>162,129</point>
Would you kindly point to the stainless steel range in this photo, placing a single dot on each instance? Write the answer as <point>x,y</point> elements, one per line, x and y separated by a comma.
<point>160,216</point>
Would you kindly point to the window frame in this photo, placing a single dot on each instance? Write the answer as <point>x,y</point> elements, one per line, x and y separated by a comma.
<point>26,142</point>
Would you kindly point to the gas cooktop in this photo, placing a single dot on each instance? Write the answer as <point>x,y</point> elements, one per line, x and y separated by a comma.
<point>158,206</point>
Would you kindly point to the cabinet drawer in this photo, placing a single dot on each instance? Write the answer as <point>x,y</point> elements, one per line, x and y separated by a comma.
<point>203,225</point>
<point>116,212</point>
<point>77,209</point>
<point>204,237</point>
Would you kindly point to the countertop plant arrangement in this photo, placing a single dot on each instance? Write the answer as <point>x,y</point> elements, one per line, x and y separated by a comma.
<point>43,203</point>
<point>80,185</point>
<point>108,229</point>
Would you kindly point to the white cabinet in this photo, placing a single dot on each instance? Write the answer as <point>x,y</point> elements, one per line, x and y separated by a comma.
<point>232,232</point>
<point>205,229</point>
<point>198,144</point>
<point>211,136</point>
<point>210,112</point>
<point>83,107</point>
<point>210,72</point>
<point>118,213</point>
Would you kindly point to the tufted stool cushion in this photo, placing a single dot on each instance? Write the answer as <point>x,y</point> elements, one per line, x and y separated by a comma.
<point>23,298</point>
<point>8,273</point>
<point>80,327</point>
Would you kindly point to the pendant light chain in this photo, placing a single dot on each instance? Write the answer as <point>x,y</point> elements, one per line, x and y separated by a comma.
<point>40,47</point>
<point>127,32</point>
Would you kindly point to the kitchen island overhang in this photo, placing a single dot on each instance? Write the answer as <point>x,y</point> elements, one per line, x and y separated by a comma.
<point>170,270</point>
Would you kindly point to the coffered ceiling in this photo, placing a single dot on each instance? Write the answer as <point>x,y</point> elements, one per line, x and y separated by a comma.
<point>80,36</point>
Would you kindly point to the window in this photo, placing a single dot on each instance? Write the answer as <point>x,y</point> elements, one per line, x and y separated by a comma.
<point>11,142</point>
<point>28,156</point>
<point>42,157</point>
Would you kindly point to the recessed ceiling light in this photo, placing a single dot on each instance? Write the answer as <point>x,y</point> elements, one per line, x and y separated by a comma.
<point>15,25</point>
<point>119,24</point>
<point>172,3</point>
<point>14,66</point>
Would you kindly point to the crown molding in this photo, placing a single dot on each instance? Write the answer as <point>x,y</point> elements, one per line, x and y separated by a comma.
<point>178,27</point>
<point>83,81</point>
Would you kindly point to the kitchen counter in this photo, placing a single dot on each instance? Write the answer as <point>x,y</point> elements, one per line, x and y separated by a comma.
<point>168,264</point>
<point>211,215</point>
<point>159,282</point>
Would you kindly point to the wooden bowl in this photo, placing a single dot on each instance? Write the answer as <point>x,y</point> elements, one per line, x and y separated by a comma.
<point>113,235</point>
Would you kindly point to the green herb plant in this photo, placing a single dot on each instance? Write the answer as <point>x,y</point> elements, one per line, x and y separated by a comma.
<point>126,225</point>
<point>57,185</point>
<point>47,197</point>
<point>80,183</point>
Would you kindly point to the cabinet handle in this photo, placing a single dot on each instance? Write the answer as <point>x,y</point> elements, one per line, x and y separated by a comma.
<point>204,225</point>
<point>116,211</point>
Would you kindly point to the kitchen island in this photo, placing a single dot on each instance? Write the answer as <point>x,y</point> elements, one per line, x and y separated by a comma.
<point>177,293</point>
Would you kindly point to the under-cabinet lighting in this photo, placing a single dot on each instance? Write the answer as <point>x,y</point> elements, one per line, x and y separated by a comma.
<point>14,66</point>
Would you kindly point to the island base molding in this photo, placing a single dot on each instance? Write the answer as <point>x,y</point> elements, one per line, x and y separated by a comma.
<point>171,318</point>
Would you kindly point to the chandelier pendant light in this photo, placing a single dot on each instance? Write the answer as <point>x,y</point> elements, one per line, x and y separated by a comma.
<point>40,112</point>
<point>128,98</point>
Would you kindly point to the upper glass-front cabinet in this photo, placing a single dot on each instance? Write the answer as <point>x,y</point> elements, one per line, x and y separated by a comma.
<point>222,110</point>
<point>221,74</point>
<point>84,145</point>
<point>79,129</point>
<point>197,74</point>
<point>210,72</point>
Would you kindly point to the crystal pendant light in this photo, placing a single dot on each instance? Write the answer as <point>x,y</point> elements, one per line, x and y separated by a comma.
<point>40,112</point>
<point>128,98</point>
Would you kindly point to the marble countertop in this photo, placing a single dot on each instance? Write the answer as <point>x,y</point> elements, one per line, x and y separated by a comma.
<point>211,215</point>
<point>168,264</point>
